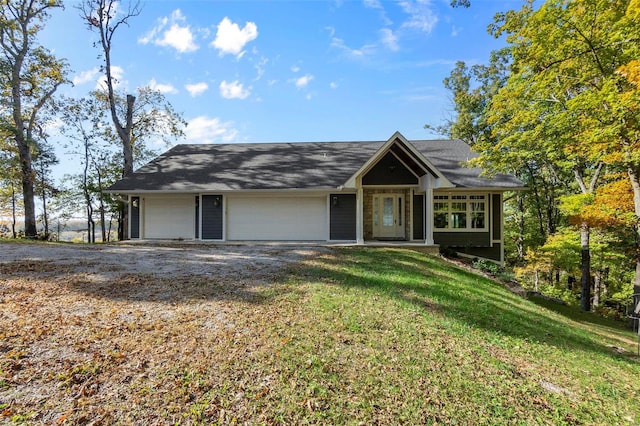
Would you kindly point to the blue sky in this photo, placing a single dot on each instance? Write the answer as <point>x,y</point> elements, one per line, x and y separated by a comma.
<point>287,71</point>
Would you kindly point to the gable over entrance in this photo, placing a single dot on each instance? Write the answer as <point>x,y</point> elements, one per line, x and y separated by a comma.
<point>390,171</point>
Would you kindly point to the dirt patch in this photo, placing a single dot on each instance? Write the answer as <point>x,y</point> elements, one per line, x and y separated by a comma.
<point>119,334</point>
<point>107,262</point>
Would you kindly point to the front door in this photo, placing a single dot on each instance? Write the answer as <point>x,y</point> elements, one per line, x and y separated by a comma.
<point>388,216</point>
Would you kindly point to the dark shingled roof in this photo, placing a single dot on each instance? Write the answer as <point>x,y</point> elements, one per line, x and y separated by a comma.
<point>303,165</point>
<point>450,156</point>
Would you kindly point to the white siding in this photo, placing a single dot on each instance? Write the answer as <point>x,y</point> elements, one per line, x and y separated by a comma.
<point>169,216</point>
<point>277,218</point>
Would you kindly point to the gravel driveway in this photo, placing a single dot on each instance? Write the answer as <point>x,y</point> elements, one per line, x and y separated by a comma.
<point>103,262</point>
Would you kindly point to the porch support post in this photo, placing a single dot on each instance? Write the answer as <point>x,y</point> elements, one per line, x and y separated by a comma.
<point>428,209</point>
<point>359,216</point>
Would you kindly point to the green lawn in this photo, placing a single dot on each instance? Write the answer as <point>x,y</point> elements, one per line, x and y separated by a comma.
<point>393,336</point>
<point>352,336</point>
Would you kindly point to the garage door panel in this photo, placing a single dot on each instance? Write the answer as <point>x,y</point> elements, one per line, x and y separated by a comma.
<point>169,217</point>
<point>278,218</point>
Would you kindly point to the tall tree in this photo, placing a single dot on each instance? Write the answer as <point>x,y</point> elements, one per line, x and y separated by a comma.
<point>565,97</point>
<point>104,17</point>
<point>84,127</point>
<point>30,76</point>
<point>136,118</point>
<point>43,158</point>
<point>9,187</point>
<point>473,89</point>
<point>92,138</point>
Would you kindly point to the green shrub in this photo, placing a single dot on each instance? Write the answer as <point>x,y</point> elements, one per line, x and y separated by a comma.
<point>486,266</point>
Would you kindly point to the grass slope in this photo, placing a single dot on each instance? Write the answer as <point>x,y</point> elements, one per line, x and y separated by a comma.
<point>353,336</point>
<point>393,336</point>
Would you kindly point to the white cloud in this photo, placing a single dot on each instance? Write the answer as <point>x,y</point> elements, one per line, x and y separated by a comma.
<point>421,17</point>
<point>86,76</point>
<point>373,4</point>
<point>295,68</point>
<point>234,90</point>
<point>162,88</point>
<point>366,50</point>
<point>178,36</point>
<point>203,129</point>
<point>231,39</point>
<point>389,39</point>
<point>303,81</point>
<point>377,4</point>
<point>153,32</point>
<point>260,66</point>
<point>117,74</point>
<point>333,85</point>
<point>196,88</point>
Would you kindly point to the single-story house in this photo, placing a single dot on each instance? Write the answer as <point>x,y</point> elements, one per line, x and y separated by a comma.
<point>396,190</point>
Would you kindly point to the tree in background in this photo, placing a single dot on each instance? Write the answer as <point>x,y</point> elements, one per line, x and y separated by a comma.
<point>135,119</point>
<point>104,17</point>
<point>565,112</point>
<point>30,76</point>
<point>10,199</point>
<point>473,89</point>
<point>43,158</point>
<point>83,125</point>
<point>154,123</point>
<point>93,140</point>
<point>565,100</point>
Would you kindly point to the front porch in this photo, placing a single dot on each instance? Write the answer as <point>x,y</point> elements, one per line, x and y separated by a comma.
<point>393,214</point>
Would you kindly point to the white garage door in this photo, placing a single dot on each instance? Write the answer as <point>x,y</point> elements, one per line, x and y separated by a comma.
<point>169,217</point>
<point>277,219</point>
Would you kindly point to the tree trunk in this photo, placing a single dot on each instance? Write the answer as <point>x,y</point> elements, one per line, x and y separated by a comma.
<point>521,228</point>
<point>585,269</point>
<point>28,193</point>
<point>123,131</point>
<point>22,141</point>
<point>122,221</point>
<point>91,226</point>
<point>634,176</point>
<point>101,204</point>
<point>45,215</point>
<point>13,212</point>
<point>102,224</point>
<point>597,287</point>
<point>110,224</point>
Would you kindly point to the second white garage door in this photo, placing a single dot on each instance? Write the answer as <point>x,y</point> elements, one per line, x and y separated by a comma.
<point>277,219</point>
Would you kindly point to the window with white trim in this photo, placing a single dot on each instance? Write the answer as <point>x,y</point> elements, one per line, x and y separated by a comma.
<point>460,212</point>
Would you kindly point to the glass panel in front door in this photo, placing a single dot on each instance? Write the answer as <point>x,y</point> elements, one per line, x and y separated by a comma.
<point>387,211</point>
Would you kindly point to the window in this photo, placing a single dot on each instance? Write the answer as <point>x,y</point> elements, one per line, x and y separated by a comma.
<point>478,214</point>
<point>455,212</point>
<point>440,212</point>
